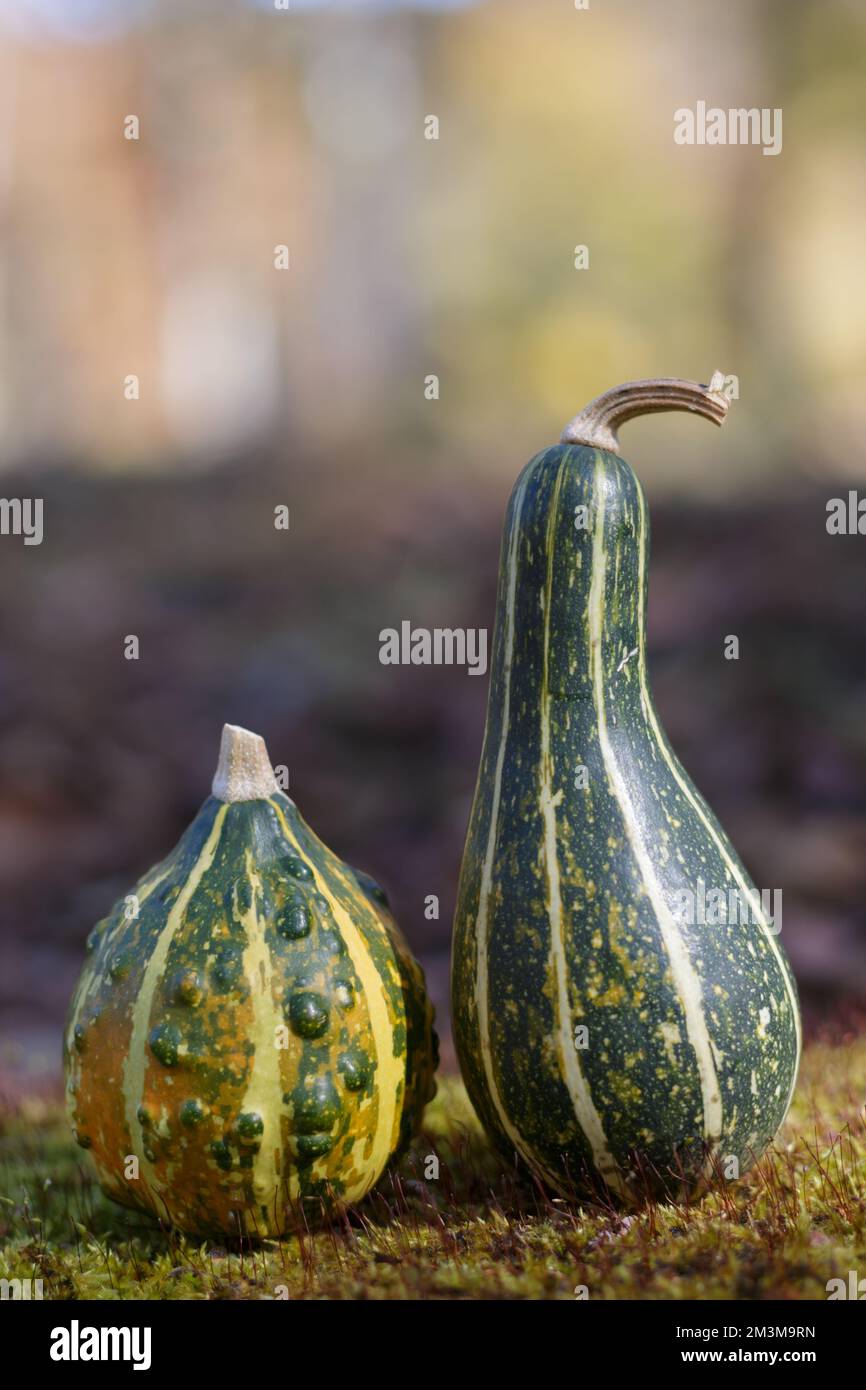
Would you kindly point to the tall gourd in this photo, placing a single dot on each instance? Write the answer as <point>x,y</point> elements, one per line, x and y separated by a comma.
<point>250,1033</point>
<point>605,1032</point>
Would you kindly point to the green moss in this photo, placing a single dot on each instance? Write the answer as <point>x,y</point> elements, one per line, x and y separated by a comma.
<point>477,1229</point>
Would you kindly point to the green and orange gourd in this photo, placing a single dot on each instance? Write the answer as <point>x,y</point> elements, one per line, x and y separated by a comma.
<point>608,1036</point>
<point>250,1027</point>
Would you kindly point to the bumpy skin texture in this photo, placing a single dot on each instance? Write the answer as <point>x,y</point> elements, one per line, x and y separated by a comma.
<point>570,912</point>
<point>250,933</point>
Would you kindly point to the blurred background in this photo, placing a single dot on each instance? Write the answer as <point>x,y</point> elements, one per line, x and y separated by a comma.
<point>257,386</point>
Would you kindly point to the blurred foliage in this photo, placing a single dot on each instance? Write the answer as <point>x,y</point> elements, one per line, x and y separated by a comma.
<point>411,256</point>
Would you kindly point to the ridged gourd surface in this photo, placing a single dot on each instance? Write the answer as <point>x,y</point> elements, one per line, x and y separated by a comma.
<point>569,911</point>
<point>250,1026</point>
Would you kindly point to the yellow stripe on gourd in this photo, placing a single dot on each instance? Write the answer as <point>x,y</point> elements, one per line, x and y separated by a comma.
<point>264,1085</point>
<point>91,978</point>
<point>689,793</point>
<point>686,982</point>
<point>135,1064</point>
<point>482,921</point>
<point>585,1112</point>
<point>390,1070</point>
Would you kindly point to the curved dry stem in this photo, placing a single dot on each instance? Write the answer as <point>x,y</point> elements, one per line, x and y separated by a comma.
<point>597,424</point>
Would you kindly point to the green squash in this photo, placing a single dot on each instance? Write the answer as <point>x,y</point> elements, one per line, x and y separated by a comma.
<point>608,1030</point>
<point>250,1034</point>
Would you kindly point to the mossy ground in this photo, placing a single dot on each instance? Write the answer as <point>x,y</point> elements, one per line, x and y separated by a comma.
<point>480,1231</point>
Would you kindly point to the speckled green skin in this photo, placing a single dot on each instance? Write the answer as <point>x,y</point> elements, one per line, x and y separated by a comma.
<point>558,922</point>
<point>257,1036</point>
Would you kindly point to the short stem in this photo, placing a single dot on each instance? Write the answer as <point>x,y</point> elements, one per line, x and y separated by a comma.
<point>597,424</point>
<point>244,772</point>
